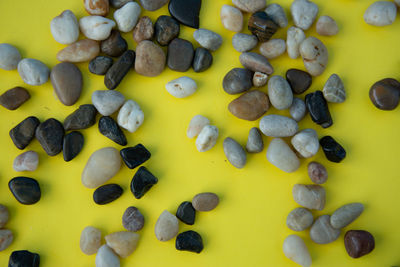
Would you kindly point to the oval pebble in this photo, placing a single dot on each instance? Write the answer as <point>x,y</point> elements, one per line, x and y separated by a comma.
<point>167,226</point>
<point>207,138</point>
<point>96,27</point>
<point>260,79</point>
<point>255,143</point>
<point>132,220</point>
<point>306,143</point>
<point>346,214</point>
<point>208,39</point>
<point>232,18</point>
<point>9,57</point>
<point>235,153</point>
<point>279,92</point>
<point>256,62</point>
<point>27,161</point>
<point>33,71</point>
<point>65,27</point>
<point>130,116</point>
<point>327,26</point>
<point>295,36</point>
<point>67,82</point>
<point>4,216</point>
<point>107,193</point>
<point>243,42</point>
<point>106,257</point>
<point>25,190</point>
<point>90,240</point>
<point>250,105</point>
<point>150,59</point>
<point>322,232</point>
<point>278,126</point>
<point>277,14</point>
<point>312,197</point>
<point>181,87</point>
<point>81,51</point>
<point>197,123</point>
<point>122,243</point>
<point>281,156</point>
<point>6,238</point>
<point>107,101</point>
<point>299,80</point>
<point>299,219</point>
<point>317,172</point>
<point>273,48</point>
<point>127,16</point>
<point>304,13</point>
<point>237,81</point>
<point>205,201</point>
<point>315,55</point>
<point>334,90</point>
<point>298,109</point>
<point>296,250</point>
<point>50,135</point>
<point>384,94</point>
<point>380,13</point>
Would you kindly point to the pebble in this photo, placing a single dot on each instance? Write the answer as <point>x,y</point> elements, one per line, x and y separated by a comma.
<point>322,232</point>
<point>180,55</point>
<point>127,16</point>
<point>150,59</point>
<point>358,243</point>
<point>153,5</point>
<point>33,71</point>
<point>256,62</point>
<point>299,219</point>
<point>250,105</point>
<point>260,79</point>
<point>81,51</point>
<point>318,109</point>
<point>115,45</point>
<point>237,81</point>
<point>231,18</point>
<point>207,138</point>
<point>4,216</point>
<point>166,29</point>
<point>295,36</point>
<point>102,165</point>
<point>315,55</point>
<point>25,190</point>
<point>249,6</point>
<point>186,213</point>
<point>9,57</point>
<point>135,156</point>
<point>296,250</point>
<point>205,201</point>
<point>346,214</point>
<point>107,193</point>
<point>262,26</point>
<point>255,143</point>
<point>279,92</point>
<point>65,28</point>
<point>24,132</point>
<point>334,90</point>
<point>143,30</point>
<point>189,241</point>
<point>96,27</point>
<point>202,60</point>
<point>14,98</point>
<point>130,116</point>
<point>22,258</point>
<point>132,220</point>
<point>380,13</point>
<point>6,238</point>
<point>67,82</point>
<point>273,48</point>
<point>119,69</point>
<point>277,14</point>
<point>72,145</point>
<point>197,123</point>
<point>27,161</point>
<point>333,150</point>
<point>327,26</point>
<point>306,143</point>
<point>181,87</point>
<point>50,134</point>
<point>82,118</point>
<point>100,65</point>
<point>208,39</point>
<point>235,153</point>
<point>243,42</point>
<point>281,156</point>
<point>142,181</point>
<point>106,257</point>
<point>119,3</point>
<point>110,129</point>
<point>97,7</point>
<point>90,240</point>
<point>123,243</point>
<point>167,226</point>
<point>186,12</point>
<point>317,172</point>
<point>304,13</point>
<point>299,80</point>
<point>384,94</point>
<point>312,197</point>
<point>278,126</point>
<point>298,109</point>
<point>397,2</point>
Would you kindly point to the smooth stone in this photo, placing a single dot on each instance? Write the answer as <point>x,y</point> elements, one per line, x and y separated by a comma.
<point>102,165</point>
<point>295,36</point>
<point>197,123</point>
<point>189,241</point>
<point>256,62</point>
<point>186,213</point>
<point>205,201</point>
<point>277,14</point>
<point>397,2</point>
<point>4,215</point>
<point>181,87</point>
<point>318,109</point>
<point>322,232</point>
<point>81,51</point>
<point>143,30</point>
<point>231,18</point>
<point>299,219</point>
<point>82,118</point>
<point>14,98</point>
<point>327,26</point>
<point>130,116</point>
<point>279,92</point>
<point>298,109</point>
<point>50,135</point>
<point>127,16</point>
<point>260,79</point>
<point>27,161</point>
<point>207,138</point>
<point>281,156</point>
<point>296,250</point>
<point>132,219</point>
<point>235,153</point>
<point>142,182</point>
<point>167,226</point>
<point>273,48</point>
<point>243,42</point>
<point>312,197</point>
<point>23,258</point>
<point>110,129</point>
<point>334,90</point>
<point>106,257</point>
<point>90,240</point>
<point>306,143</point>
<point>255,143</point>
<point>249,6</point>
<point>385,94</point>
<point>119,3</point>
<point>166,29</point>
<point>115,45</point>
<point>107,193</point>
<point>67,82</point>
<point>65,28</point>
<point>187,12</point>
<point>262,26</point>
<point>358,243</point>
<point>153,5</point>
<point>72,145</point>
<point>24,132</point>
<point>317,172</point>
<point>346,214</point>
<point>303,13</point>
<point>237,81</point>
<point>123,243</point>
<point>380,13</point>
<point>299,80</point>
<point>25,190</point>
<point>33,71</point>
<point>96,27</point>
<point>6,238</point>
<point>107,102</point>
<point>9,57</point>
<point>208,39</point>
<point>180,55</point>
<point>202,60</point>
<point>315,55</point>
<point>150,59</point>
<point>97,7</point>
<point>119,69</point>
<point>333,150</point>
<point>135,156</point>
<point>100,65</point>
<point>250,105</point>
<point>278,126</point>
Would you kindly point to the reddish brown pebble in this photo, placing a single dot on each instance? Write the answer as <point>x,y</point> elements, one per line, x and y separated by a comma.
<point>317,172</point>
<point>143,30</point>
<point>385,94</point>
<point>358,243</point>
<point>14,98</point>
<point>250,106</point>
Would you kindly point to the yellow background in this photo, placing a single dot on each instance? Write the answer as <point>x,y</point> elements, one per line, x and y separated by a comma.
<point>248,227</point>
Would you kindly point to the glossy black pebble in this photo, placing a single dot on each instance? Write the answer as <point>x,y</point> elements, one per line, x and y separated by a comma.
<point>72,145</point>
<point>318,108</point>
<point>333,150</point>
<point>203,59</point>
<point>142,181</point>
<point>24,132</point>
<point>107,193</point>
<point>186,12</point>
<point>189,241</point>
<point>166,29</point>
<point>119,69</point>
<point>23,258</point>
<point>110,129</point>
<point>82,118</point>
<point>50,135</point>
<point>135,156</point>
<point>180,55</point>
<point>25,190</point>
<point>100,65</point>
<point>186,213</point>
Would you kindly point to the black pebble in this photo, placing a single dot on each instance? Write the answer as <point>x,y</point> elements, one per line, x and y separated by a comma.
<point>115,45</point>
<point>82,118</point>
<point>166,29</point>
<point>203,59</point>
<point>110,129</point>
<point>100,65</point>
<point>186,12</point>
<point>25,190</point>
<point>50,135</point>
<point>135,156</point>
<point>72,145</point>
<point>186,213</point>
<point>318,108</point>
<point>23,258</point>
<point>333,150</point>
<point>189,241</point>
<point>119,69</point>
<point>107,193</point>
<point>180,55</point>
<point>142,181</point>
<point>24,132</point>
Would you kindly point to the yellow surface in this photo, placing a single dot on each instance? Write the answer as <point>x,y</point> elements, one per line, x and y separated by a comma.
<point>248,227</point>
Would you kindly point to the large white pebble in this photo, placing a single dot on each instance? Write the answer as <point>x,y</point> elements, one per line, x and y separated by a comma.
<point>96,27</point>
<point>281,156</point>
<point>207,138</point>
<point>273,48</point>
<point>304,13</point>
<point>130,116</point>
<point>181,87</point>
<point>167,226</point>
<point>278,126</point>
<point>277,14</point>
<point>27,161</point>
<point>127,16</point>
<point>123,243</point>
<point>295,36</point>
<point>231,18</point>
<point>65,28</point>
<point>33,71</point>
<point>295,249</point>
<point>279,92</point>
<point>197,123</point>
<point>208,39</point>
<point>106,257</point>
<point>306,142</point>
<point>107,101</point>
<point>9,57</point>
<point>90,241</point>
<point>380,13</point>
<point>315,56</point>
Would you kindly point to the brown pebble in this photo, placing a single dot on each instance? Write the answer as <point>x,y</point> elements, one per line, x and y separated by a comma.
<point>299,80</point>
<point>4,215</point>
<point>262,26</point>
<point>385,94</point>
<point>358,243</point>
<point>97,7</point>
<point>67,81</point>
<point>115,45</point>
<point>250,106</point>
<point>205,201</point>
<point>317,172</point>
<point>150,59</point>
<point>14,98</point>
<point>143,30</point>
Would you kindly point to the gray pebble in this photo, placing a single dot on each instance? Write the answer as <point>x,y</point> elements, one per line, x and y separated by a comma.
<point>9,57</point>
<point>33,71</point>
<point>322,232</point>
<point>235,153</point>
<point>298,109</point>
<point>6,238</point>
<point>277,14</point>
<point>299,219</point>
<point>100,65</point>
<point>208,39</point>
<point>278,126</point>
<point>312,197</point>
<point>279,92</point>
<point>132,220</point>
<point>256,62</point>
<point>295,36</point>
<point>334,90</point>
<point>237,81</point>
<point>106,257</point>
<point>243,42</point>
<point>304,13</point>
<point>306,142</point>
<point>281,156</point>
<point>346,214</point>
<point>119,3</point>
<point>255,143</point>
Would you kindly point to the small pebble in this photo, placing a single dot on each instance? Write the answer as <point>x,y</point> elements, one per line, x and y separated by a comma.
<point>167,226</point>
<point>97,7</point>
<point>237,81</point>
<point>346,214</point>
<point>82,118</point>
<point>90,240</point>
<point>196,124</point>
<point>122,243</point>
<point>119,69</point>
<point>24,132</point>
<point>132,220</point>
<point>315,55</point>
<point>208,39</point>
<point>6,238</point>
<point>281,156</point>
<point>25,190</point>
<point>67,82</point>
<point>333,150</point>
<point>27,161</point>
<point>100,65</point>
<point>250,105</point>
<point>255,143</point>
<point>298,109</point>
<point>127,16</point>
<point>295,36</point>
<point>106,257</point>
<point>317,172</point>
<point>4,216</point>
<point>277,14</point>
<point>256,62</point>
<point>115,45</point>
<point>303,13</point>
<point>262,26</point>
<point>189,241</point>
<point>318,109</point>
<point>180,55</point>
<point>380,13</point>
<point>14,98</point>
<point>334,90</point>
<point>205,201</point>
<point>358,243</point>
<point>119,3</point>
<point>235,153</point>
<point>249,6</point>
<point>273,48</point>
<point>96,27</point>
<point>231,18</point>
<point>107,193</point>
<point>259,79</point>
<point>186,213</point>
<point>130,116</point>
<point>153,5</point>
<point>202,60</point>
<point>143,30</point>
<point>299,80</point>
<point>306,143</point>
<point>207,138</point>
<point>186,12</point>
<point>181,87</point>
<point>110,129</point>
<point>278,126</point>
<point>279,92</point>
<point>322,232</point>
<point>312,197</point>
<point>9,57</point>
<point>385,94</point>
<point>327,26</point>
<point>50,135</point>
<point>166,29</point>
<point>81,51</point>
<point>296,250</point>
<point>150,59</point>
<point>299,219</point>
<point>135,156</point>
<point>243,42</point>
<point>22,258</point>
<point>142,181</point>
<point>65,28</point>
<point>72,145</point>
<point>33,71</point>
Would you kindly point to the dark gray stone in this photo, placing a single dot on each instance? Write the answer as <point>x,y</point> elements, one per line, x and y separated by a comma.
<point>24,132</point>
<point>25,190</point>
<point>180,55</point>
<point>107,193</point>
<point>333,150</point>
<point>14,98</point>
<point>237,81</point>
<point>132,220</point>
<point>187,12</point>
<point>115,45</point>
<point>110,129</point>
<point>50,135</point>
<point>135,156</point>
<point>189,241</point>
<point>142,181</point>
<point>318,109</point>
<point>100,65</point>
<point>24,258</point>
<point>82,118</point>
<point>166,29</point>
<point>203,60</point>
<point>186,213</point>
<point>119,69</point>
<point>72,145</point>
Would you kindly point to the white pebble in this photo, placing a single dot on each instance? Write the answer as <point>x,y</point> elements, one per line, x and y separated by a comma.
<point>278,126</point>
<point>304,13</point>
<point>90,241</point>
<point>279,92</point>
<point>243,42</point>
<point>298,109</point>
<point>273,48</point>
<point>278,15</point>
<point>33,71</point>
<point>295,36</point>
<point>127,16</point>
<point>207,138</point>
<point>130,116</point>
<point>107,101</point>
<point>27,161</point>
<point>9,57</point>
<point>197,123</point>
<point>315,56</point>
<point>96,27</point>
<point>281,156</point>
<point>65,28</point>
<point>295,249</point>
<point>167,226</point>
<point>208,39</point>
<point>306,142</point>
<point>106,257</point>
<point>380,13</point>
<point>231,18</point>
<point>327,26</point>
<point>250,6</point>
<point>181,87</point>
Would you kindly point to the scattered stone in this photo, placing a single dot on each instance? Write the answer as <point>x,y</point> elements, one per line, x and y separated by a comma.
<point>123,243</point>
<point>385,94</point>
<point>25,190</point>
<point>166,29</point>
<point>181,87</point>
<point>250,105</point>
<point>96,27</point>
<point>322,232</point>
<point>208,39</point>
<point>153,5</point>
<point>65,28</point>
<point>296,250</point>
<point>281,156</point>
<point>82,118</point>
<point>249,6</point>
<point>97,7</point>
<point>119,69</point>
<point>243,42</point>
<point>196,124</point>
<point>259,79</point>
<point>50,135</point>
<point>142,181</point>
<point>358,243</point>
<point>262,26</point>
<point>119,3</point>
<point>27,161</point>
<point>310,196</point>
<point>90,240</point>
<point>143,30</point>
<point>207,138</point>
<point>295,36</point>
<point>278,126</point>
<point>106,257</point>
<point>9,57</point>
<point>304,13</point>
<point>115,45</point>
<point>24,132</point>
<point>231,18</point>
<point>277,14</point>
<point>256,62</point>
<point>81,51</point>
<point>189,241</point>
<point>205,201</point>
<point>279,92</point>
<point>202,60</point>
<point>186,12</point>
<point>135,156</point>
<point>67,82</point>
<point>130,116</point>
<point>327,26</point>
<point>237,81</point>
<point>273,48</point>
<point>180,55</point>
<point>317,172</point>
<point>6,238</point>
<point>72,145</point>
<point>107,193</point>
<point>299,219</point>
<point>22,258</point>
<point>150,59</point>
<point>380,13</point>
<point>255,143</point>
<point>298,109</point>
<point>167,226</point>
<point>127,16</point>
<point>100,65</point>
<point>346,214</point>
<point>186,213</point>
<point>299,80</point>
<point>33,71</point>
<point>4,216</point>
<point>315,55</point>
<point>318,108</point>
<point>14,98</point>
<point>110,129</point>
<point>334,90</point>
<point>306,143</point>
<point>132,220</point>
<point>235,153</point>
<point>333,150</point>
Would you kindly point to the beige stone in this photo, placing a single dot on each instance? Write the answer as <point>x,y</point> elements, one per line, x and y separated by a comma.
<point>150,59</point>
<point>167,226</point>
<point>81,51</point>
<point>123,243</point>
<point>90,240</point>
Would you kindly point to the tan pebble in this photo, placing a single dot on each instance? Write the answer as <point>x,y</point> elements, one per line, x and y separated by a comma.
<point>205,201</point>
<point>123,243</point>
<point>327,26</point>
<point>143,30</point>
<point>81,51</point>
<point>90,240</point>
<point>232,18</point>
<point>150,59</point>
<point>273,48</point>
<point>167,226</point>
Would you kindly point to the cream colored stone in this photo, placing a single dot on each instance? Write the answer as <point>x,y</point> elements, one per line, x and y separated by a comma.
<point>295,36</point>
<point>295,249</point>
<point>380,13</point>
<point>96,27</point>
<point>327,26</point>
<point>197,123</point>
<point>312,197</point>
<point>207,138</point>
<point>90,240</point>
<point>281,156</point>
<point>250,6</point>
<point>130,116</point>
<point>315,56</point>
<point>65,28</point>
<point>27,161</point>
<point>127,16</point>
<point>273,48</point>
<point>167,226</point>
<point>278,126</point>
<point>306,142</point>
<point>304,13</point>
<point>181,87</point>
<point>123,243</point>
<point>81,51</point>
<point>231,18</point>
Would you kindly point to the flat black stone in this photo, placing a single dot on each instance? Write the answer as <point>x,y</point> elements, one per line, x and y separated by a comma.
<point>50,135</point>
<point>72,145</point>
<point>119,69</point>
<point>110,129</point>
<point>333,150</point>
<point>24,258</point>
<point>100,65</point>
<point>142,181</point>
<point>135,156</point>
<point>115,45</point>
<point>24,132</point>
<point>166,29</point>
<point>186,12</point>
<point>203,59</point>
<point>180,55</point>
<point>107,193</point>
<point>186,213</point>
<point>318,108</point>
<point>189,241</point>
<point>25,190</point>
<point>82,118</point>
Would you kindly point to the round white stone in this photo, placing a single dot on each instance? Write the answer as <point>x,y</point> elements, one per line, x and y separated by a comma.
<point>33,71</point>
<point>278,126</point>
<point>281,156</point>
<point>167,226</point>
<point>279,92</point>
<point>130,116</point>
<point>295,249</point>
<point>127,16</point>
<point>96,27</point>
<point>380,13</point>
<point>243,42</point>
<point>208,39</point>
<point>315,56</point>
<point>306,143</point>
<point>65,28</point>
<point>181,87</point>
<point>106,257</point>
<point>304,13</point>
